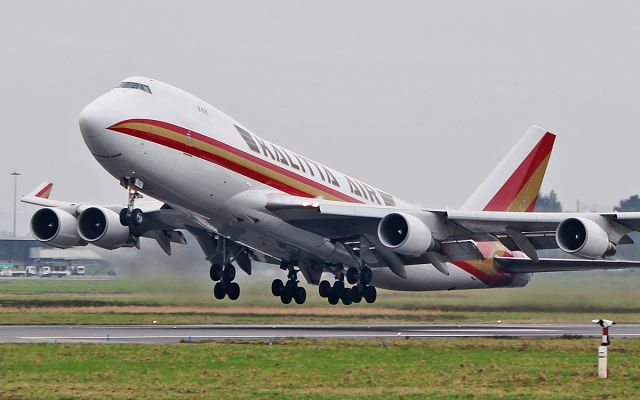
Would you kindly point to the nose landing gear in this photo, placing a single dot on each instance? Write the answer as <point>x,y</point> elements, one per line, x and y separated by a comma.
<point>131,216</point>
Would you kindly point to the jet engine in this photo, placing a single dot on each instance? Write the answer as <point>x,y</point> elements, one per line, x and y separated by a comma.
<point>585,238</point>
<point>101,227</point>
<point>55,227</point>
<point>405,234</point>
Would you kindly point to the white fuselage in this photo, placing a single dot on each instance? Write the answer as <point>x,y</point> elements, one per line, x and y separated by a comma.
<point>194,157</point>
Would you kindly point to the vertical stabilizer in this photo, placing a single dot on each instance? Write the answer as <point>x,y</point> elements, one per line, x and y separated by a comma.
<point>515,183</point>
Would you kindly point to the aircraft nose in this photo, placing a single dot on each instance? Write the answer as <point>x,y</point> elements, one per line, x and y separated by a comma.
<point>94,120</point>
<point>91,120</point>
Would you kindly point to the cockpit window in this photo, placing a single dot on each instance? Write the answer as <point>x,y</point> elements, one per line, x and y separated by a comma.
<point>135,85</point>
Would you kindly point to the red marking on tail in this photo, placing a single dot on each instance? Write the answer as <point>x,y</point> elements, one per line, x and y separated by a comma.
<point>503,199</point>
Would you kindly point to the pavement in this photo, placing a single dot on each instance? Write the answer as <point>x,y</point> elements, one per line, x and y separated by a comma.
<point>194,333</point>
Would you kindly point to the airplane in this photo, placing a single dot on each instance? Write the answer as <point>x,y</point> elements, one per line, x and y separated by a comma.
<point>246,199</point>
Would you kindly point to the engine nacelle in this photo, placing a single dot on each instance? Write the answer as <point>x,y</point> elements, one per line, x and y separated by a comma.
<point>405,234</point>
<point>55,227</point>
<point>101,227</point>
<point>585,238</point>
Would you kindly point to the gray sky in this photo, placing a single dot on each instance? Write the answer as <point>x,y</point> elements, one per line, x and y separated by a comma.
<point>419,98</point>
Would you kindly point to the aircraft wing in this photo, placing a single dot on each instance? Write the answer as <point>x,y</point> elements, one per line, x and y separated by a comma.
<point>161,222</point>
<point>523,265</point>
<point>524,231</point>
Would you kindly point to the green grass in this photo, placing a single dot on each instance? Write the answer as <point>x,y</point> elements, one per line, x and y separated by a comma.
<point>331,369</point>
<point>571,297</point>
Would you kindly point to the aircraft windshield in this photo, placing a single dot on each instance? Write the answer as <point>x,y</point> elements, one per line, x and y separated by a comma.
<point>135,85</point>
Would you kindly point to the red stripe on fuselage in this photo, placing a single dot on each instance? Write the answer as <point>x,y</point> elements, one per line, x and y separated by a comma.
<point>255,175</point>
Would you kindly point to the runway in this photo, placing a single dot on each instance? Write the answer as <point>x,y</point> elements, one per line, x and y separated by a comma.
<point>196,333</point>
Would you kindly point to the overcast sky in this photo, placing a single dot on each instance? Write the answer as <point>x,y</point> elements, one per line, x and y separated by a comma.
<point>420,99</point>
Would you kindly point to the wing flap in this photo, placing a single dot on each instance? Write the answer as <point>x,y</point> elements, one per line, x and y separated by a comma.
<point>524,265</point>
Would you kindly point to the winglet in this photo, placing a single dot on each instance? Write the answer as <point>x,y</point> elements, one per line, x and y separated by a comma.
<point>42,191</point>
<point>40,197</point>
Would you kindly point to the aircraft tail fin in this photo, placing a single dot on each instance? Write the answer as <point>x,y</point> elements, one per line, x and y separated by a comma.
<point>515,183</point>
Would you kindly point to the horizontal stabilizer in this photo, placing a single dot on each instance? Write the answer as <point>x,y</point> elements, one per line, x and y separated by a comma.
<point>524,265</point>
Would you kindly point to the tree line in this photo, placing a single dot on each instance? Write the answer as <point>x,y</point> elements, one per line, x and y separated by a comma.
<point>549,203</point>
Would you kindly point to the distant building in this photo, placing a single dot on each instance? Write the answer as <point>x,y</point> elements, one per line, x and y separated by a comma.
<point>18,251</point>
<point>21,252</point>
<point>73,256</point>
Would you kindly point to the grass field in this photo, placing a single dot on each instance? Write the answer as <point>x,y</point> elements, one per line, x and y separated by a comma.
<point>574,297</point>
<point>330,369</point>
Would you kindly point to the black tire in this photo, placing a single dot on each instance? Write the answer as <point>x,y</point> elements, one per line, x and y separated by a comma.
<point>123,217</point>
<point>137,217</point>
<point>277,287</point>
<point>219,291</point>
<point>352,276</point>
<point>291,287</point>
<point>346,297</point>
<point>333,299</point>
<point>370,294</point>
<point>229,273</point>
<point>233,291</point>
<point>285,298</point>
<point>215,272</point>
<point>356,296</point>
<point>338,287</point>
<point>366,276</point>
<point>324,289</point>
<point>301,295</point>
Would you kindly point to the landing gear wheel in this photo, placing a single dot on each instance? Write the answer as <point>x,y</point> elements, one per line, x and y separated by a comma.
<point>123,217</point>
<point>356,296</point>
<point>290,287</point>
<point>370,294</point>
<point>137,217</point>
<point>277,287</point>
<point>324,289</point>
<point>338,287</point>
<point>233,291</point>
<point>285,297</point>
<point>215,272</point>
<point>346,297</point>
<point>229,273</point>
<point>333,299</point>
<point>366,276</point>
<point>301,295</point>
<point>352,275</point>
<point>218,291</point>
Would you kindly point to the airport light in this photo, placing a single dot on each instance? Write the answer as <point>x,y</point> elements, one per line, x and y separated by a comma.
<point>15,198</point>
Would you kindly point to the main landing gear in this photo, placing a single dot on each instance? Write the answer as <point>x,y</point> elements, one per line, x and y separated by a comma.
<point>289,291</point>
<point>360,291</point>
<point>131,216</point>
<point>223,272</point>
<point>224,276</point>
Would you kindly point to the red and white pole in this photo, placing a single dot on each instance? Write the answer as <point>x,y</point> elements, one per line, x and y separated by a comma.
<point>603,368</point>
